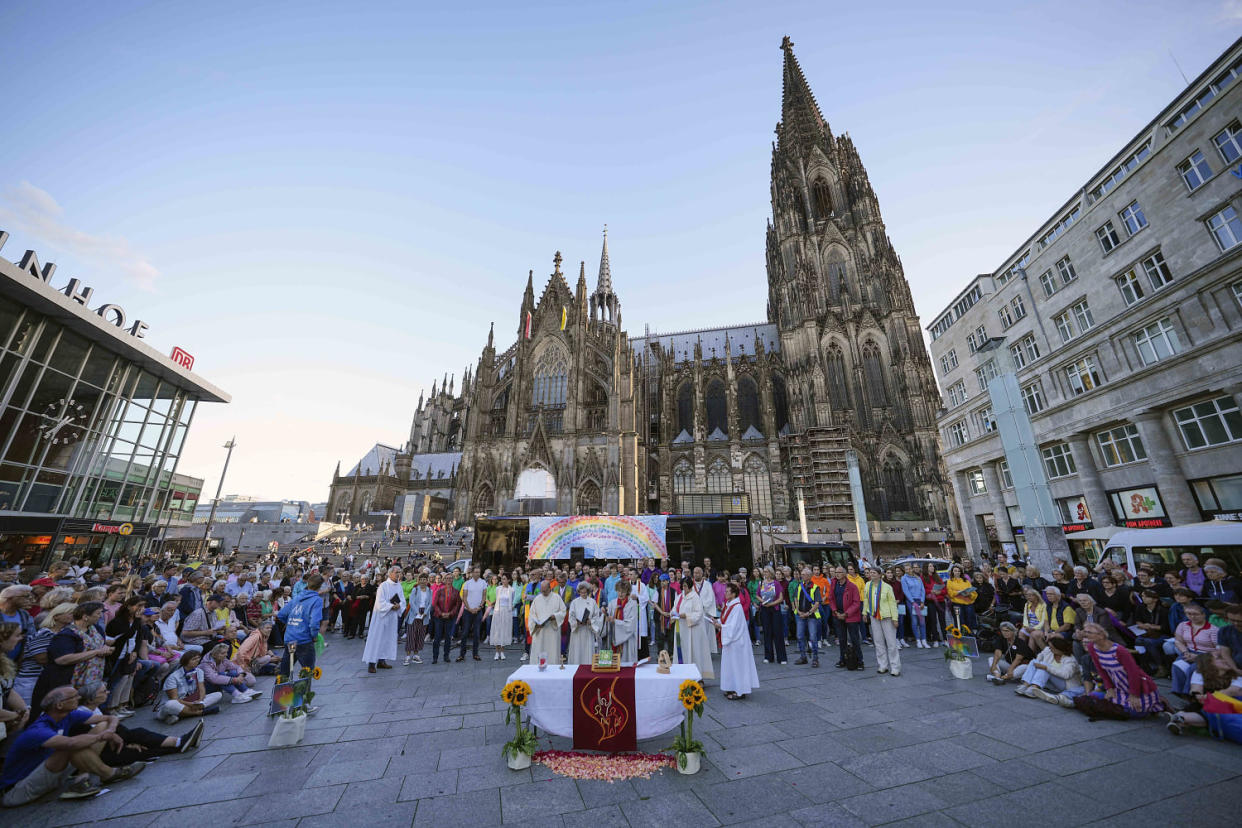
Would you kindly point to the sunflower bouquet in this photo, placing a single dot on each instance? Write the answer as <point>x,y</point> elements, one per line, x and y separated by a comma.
<point>692,696</point>
<point>516,694</point>
<point>955,633</point>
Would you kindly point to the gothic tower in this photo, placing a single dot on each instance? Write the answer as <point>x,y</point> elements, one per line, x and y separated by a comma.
<point>851,343</point>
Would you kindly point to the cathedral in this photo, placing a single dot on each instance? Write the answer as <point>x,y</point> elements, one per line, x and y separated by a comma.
<point>577,416</point>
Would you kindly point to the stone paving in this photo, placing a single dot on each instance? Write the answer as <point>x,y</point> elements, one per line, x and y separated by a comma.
<point>420,745</point>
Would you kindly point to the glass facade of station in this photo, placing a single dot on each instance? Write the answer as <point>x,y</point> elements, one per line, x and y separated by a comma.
<point>89,443</point>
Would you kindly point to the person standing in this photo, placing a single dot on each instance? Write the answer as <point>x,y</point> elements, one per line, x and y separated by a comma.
<point>445,607</point>
<point>846,605</point>
<point>417,617</point>
<point>470,618</point>
<point>913,591</point>
<point>771,601</point>
<point>806,603</point>
<point>382,636</point>
<point>623,620</point>
<point>707,597</point>
<point>502,618</point>
<point>547,613</point>
<point>738,676</point>
<point>880,606</point>
<point>585,624</point>
<point>662,607</point>
<point>692,635</point>
<point>304,621</point>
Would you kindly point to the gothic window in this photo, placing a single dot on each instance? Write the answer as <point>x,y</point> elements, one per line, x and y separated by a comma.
<point>500,405</point>
<point>719,478</point>
<point>780,403</point>
<point>366,502</point>
<point>551,377</point>
<point>484,500</point>
<point>589,500</point>
<point>748,408</point>
<point>873,372</point>
<point>596,406</point>
<point>838,275</point>
<point>821,196</point>
<point>838,393</point>
<point>343,504</point>
<point>896,485</point>
<point>683,477</point>
<point>717,411</point>
<point>758,485</point>
<point>685,408</point>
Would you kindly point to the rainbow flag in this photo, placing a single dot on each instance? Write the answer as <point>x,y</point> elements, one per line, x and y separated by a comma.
<point>602,536</point>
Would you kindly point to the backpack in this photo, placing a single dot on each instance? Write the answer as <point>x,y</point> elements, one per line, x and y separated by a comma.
<point>853,659</point>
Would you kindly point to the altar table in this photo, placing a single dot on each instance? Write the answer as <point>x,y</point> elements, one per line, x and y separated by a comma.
<point>551,703</point>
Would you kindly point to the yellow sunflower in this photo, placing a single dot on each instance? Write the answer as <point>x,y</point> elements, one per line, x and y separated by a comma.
<point>317,673</point>
<point>515,693</point>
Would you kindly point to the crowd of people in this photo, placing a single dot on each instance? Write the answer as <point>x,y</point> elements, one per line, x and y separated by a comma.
<point>82,648</point>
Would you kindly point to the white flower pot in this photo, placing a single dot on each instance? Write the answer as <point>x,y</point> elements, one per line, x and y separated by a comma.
<point>287,732</point>
<point>961,669</point>
<point>691,763</point>
<point>520,761</point>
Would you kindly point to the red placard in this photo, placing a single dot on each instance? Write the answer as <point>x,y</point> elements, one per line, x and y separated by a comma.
<point>182,358</point>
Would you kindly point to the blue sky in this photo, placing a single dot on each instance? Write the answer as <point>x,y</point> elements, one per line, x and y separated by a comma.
<point>328,203</point>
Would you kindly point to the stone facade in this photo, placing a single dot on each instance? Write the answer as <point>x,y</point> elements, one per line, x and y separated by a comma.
<point>578,416</point>
<point>1121,318</point>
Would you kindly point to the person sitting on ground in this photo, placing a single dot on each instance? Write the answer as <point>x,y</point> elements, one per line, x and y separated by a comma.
<point>1128,691</point>
<point>185,693</point>
<point>41,756</point>
<point>221,674</point>
<point>1217,688</point>
<point>1054,676</point>
<point>140,744</point>
<point>1011,654</point>
<point>1192,637</point>
<point>1151,619</point>
<point>203,624</point>
<point>1219,586</point>
<point>253,655</point>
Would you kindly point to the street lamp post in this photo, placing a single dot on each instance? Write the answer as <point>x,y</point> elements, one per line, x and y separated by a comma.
<point>211,516</point>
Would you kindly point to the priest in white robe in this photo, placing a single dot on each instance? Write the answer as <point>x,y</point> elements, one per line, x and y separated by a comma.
<point>385,615</point>
<point>692,630</point>
<point>547,613</point>
<point>643,596</point>
<point>707,596</point>
<point>586,621</point>
<point>738,675</point>
<point>623,618</point>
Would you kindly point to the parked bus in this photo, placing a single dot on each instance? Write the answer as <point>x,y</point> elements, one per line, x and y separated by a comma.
<point>725,538</point>
<point>823,554</point>
<point>1164,547</point>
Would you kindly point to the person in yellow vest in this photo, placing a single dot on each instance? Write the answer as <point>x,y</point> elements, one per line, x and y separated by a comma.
<point>880,610</point>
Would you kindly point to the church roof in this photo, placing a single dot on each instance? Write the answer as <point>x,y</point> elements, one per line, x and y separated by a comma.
<point>741,339</point>
<point>436,465</point>
<point>370,464</point>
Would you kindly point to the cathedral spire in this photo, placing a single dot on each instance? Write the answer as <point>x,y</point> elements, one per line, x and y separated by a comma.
<point>800,115</point>
<point>604,285</point>
<point>604,301</point>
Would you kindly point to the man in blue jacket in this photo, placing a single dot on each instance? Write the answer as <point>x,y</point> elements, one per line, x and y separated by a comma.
<point>304,621</point>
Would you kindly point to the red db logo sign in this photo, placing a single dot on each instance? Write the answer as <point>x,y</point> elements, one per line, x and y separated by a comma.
<point>182,358</point>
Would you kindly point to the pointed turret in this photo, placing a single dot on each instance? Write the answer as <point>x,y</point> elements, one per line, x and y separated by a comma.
<point>604,301</point>
<point>801,119</point>
<point>491,335</point>
<point>336,474</point>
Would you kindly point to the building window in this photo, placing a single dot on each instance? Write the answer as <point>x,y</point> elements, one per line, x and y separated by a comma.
<point>957,393</point>
<point>719,478</point>
<point>1058,461</point>
<point>1065,326</point>
<point>1025,351</point>
<point>1132,217</point>
<point>748,407</point>
<point>984,420</point>
<point>1121,445</point>
<point>1237,292</point>
<point>838,393</point>
<point>1119,172</point>
<point>1107,236</point>
<point>1130,287</point>
<point>1006,478</point>
<point>1012,312</point>
<point>1157,271</point>
<point>716,403</point>
<point>758,485</point>
<point>948,362</point>
<point>1194,171</point>
<point>683,477</point>
<point>1209,423</point>
<point>1033,398</point>
<point>1226,228</point>
<point>1006,317</point>
<point>1082,376</point>
<point>551,377</point>
<point>978,485</point>
<point>1219,494</point>
<point>685,409</point>
<point>985,374</point>
<point>957,433</point>
<point>1065,269</point>
<point>1049,284</point>
<point>976,340</point>
<point>873,373</point>
<point>1156,342</point>
<point>1229,142</point>
<point>822,196</point>
<point>1082,315</point>
<point>1060,227</point>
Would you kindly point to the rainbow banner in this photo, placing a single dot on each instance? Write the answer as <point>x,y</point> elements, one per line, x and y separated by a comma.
<point>600,536</point>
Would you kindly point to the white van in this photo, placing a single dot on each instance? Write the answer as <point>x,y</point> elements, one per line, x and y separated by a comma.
<point>1164,547</point>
